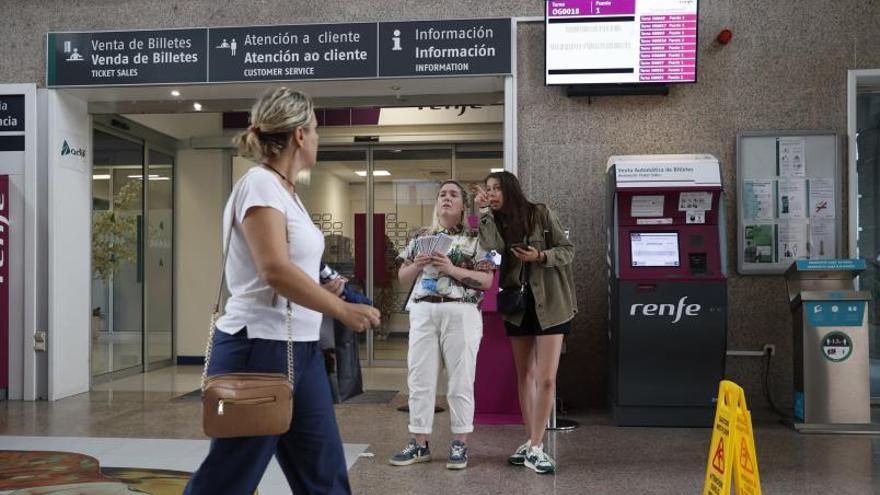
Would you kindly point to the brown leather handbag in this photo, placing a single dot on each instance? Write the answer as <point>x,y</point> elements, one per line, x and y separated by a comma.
<point>246,404</point>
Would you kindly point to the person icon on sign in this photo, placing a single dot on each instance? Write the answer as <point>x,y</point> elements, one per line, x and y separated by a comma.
<point>75,56</point>
<point>232,46</point>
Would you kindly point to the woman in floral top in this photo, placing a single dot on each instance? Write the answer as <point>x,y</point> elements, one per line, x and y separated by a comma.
<point>444,318</point>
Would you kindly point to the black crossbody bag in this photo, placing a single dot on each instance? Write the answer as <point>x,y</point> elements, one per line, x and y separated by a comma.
<point>513,301</point>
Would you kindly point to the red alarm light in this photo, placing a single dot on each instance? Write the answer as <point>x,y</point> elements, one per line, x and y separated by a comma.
<point>724,36</point>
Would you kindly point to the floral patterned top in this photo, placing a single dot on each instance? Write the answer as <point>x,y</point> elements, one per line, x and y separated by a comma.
<point>465,252</point>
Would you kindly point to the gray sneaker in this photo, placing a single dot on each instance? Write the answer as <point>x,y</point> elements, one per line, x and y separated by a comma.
<point>519,457</point>
<point>457,455</point>
<point>411,454</point>
<point>540,462</point>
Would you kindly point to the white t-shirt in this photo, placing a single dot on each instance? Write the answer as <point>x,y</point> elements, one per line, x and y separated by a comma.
<point>250,302</point>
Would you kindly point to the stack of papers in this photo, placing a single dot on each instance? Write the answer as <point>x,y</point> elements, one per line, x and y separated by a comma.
<point>430,244</point>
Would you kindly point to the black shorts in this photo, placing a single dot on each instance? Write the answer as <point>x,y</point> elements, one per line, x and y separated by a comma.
<point>530,326</point>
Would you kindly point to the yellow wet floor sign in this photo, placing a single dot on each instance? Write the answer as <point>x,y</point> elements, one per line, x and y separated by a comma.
<point>732,450</point>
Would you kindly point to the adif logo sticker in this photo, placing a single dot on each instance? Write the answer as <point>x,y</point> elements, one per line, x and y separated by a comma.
<point>67,150</point>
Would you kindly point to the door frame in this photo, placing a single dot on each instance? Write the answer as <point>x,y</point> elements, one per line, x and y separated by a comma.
<point>148,139</point>
<point>853,80</point>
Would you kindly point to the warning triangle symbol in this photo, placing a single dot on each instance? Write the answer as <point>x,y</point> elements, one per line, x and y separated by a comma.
<point>718,457</point>
<point>745,460</point>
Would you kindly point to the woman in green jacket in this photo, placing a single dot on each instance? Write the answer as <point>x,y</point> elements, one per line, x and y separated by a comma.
<point>530,236</point>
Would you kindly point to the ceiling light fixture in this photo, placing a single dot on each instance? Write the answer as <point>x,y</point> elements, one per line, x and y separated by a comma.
<point>495,170</point>
<point>376,173</point>
<point>197,106</point>
<point>101,177</point>
<point>175,93</point>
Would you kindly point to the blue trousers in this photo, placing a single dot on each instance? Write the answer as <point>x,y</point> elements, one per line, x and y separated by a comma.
<point>310,453</point>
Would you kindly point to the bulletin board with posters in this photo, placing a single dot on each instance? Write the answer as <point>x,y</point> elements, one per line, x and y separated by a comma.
<point>788,199</point>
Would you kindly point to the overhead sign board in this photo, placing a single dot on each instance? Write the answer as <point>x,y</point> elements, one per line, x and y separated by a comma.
<point>112,58</point>
<point>434,48</point>
<point>280,53</point>
<point>313,51</point>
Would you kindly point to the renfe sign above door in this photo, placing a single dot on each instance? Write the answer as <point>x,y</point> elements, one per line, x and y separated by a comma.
<point>280,53</point>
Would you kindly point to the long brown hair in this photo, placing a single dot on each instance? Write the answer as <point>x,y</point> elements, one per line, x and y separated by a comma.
<point>516,217</point>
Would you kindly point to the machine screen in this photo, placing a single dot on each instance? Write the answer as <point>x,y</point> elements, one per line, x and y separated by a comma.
<point>654,249</point>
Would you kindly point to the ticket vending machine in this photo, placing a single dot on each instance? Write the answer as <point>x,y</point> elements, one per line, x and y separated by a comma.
<point>667,288</point>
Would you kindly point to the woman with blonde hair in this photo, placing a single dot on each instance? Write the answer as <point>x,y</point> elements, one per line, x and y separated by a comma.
<point>444,320</point>
<point>273,255</point>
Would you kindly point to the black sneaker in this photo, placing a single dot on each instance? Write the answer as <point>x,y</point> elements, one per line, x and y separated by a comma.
<point>457,455</point>
<point>519,457</point>
<point>411,454</point>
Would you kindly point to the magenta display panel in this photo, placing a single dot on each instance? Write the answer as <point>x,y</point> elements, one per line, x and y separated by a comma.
<point>620,41</point>
<point>692,239</point>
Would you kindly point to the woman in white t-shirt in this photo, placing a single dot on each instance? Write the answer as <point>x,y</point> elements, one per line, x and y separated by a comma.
<point>274,257</point>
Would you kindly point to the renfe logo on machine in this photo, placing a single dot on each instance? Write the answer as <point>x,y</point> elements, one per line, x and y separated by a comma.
<point>676,311</point>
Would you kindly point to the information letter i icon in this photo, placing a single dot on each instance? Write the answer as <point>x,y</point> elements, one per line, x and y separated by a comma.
<point>396,40</point>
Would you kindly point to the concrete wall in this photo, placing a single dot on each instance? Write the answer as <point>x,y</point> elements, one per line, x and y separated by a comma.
<point>200,194</point>
<point>785,69</point>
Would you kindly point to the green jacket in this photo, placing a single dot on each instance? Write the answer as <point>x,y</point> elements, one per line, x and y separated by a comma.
<point>552,282</point>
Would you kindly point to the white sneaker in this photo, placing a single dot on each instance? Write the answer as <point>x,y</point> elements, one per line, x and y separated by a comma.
<point>540,462</point>
<point>519,456</point>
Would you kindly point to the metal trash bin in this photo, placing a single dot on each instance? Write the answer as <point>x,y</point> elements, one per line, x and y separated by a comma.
<point>831,370</point>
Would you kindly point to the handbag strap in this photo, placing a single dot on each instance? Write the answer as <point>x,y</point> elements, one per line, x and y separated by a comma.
<point>524,269</point>
<point>209,347</point>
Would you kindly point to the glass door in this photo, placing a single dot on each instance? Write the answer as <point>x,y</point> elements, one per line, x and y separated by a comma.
<point>335,195</point>
<point>369,202</point>
<point>132,253</point>
<point>868,233</point>
<point>159,258</point>
<point>405,181</point>
<point>117,254</point>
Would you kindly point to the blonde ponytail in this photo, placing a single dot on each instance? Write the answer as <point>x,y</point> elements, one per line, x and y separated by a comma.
<point>273,118</point>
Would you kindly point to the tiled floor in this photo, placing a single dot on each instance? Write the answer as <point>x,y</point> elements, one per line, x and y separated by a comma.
<point>177,455</point>
<point>597,458</point>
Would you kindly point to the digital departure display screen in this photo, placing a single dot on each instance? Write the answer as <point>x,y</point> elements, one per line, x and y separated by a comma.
<point>654,249</point>
<point>620,41</point>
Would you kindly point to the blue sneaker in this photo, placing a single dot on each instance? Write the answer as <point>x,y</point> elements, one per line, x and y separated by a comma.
<point>457,455</point>
<point>411,454</point>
